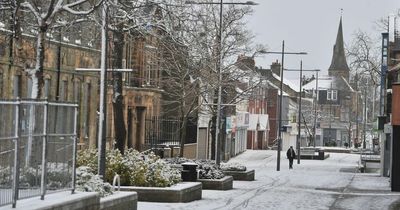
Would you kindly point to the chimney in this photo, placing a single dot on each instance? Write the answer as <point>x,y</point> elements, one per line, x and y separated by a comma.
<point>276,68</point>
<point>246,61</point>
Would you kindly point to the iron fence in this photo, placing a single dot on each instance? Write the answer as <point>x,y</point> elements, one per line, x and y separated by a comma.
<point>161,132</point>
<point>37,148</point>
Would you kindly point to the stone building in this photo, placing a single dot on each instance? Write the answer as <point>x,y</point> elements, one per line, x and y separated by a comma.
<point>141,89</point>
<point>336,100</point>
<point>79,87</point>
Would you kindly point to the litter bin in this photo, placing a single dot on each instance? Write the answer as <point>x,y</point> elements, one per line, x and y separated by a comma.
<point>321,154</point>
<point>189,172</point>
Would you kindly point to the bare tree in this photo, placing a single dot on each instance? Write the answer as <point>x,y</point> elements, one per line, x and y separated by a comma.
<point>199,33</point>
<point>383,23</point>
<point>364,59</point>
<point>45,16</point>
<point>181,85</point>
<point>363,56</point>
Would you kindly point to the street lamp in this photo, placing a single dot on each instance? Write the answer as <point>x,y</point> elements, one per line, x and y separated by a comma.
<point>315,110</point>
<point>278,163</point>
<point>218,120</point>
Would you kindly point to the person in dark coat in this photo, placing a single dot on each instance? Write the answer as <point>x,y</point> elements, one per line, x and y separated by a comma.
<point>290,154</point>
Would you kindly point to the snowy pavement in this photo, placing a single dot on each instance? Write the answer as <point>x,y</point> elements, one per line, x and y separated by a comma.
<point>313,184</point>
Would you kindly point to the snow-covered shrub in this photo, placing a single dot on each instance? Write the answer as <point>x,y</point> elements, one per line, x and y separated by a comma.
<point>208,169</point>
<point>58,177</point>
<point>116,164</point>
<point>5,176</point>
<point>178,160</point>
<point>29,177</point>
<point>86,181</point>
<point>136,169</point>
<point>149,170</point>
<point>160,174</point>
<point>232,167</point>
<point>87,157</point>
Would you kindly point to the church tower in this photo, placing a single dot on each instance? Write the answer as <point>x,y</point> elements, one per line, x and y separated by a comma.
<point>339,65</point>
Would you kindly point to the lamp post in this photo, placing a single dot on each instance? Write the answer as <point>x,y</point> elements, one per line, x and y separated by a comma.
<point>300,97</point>
<point>219,67</point>
<point>365,119</point>
<point>299,120</point>
<point>101,141</point>
<point>315,110</point>
<point>300,91</point>
<point>278,160</point>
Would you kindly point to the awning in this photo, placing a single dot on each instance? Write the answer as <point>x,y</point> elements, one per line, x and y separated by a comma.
<point>263,121</point>
<point>260,120</point>
<point>253,121</point>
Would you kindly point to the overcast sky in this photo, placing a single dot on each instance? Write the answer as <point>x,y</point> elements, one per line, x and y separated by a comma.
<point>311,26</point>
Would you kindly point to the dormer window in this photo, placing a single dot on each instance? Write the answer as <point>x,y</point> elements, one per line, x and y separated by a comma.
<point>331,95</point>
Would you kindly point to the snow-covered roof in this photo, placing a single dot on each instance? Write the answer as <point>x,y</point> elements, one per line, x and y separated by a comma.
<point>55,41</point>
<point>328,82</point>
<point>276,87</point>
<point>287,82</point>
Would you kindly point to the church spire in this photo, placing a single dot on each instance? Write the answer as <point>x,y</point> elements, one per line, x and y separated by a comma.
<point>339,65</point>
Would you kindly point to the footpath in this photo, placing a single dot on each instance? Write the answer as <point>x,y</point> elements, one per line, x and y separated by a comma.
<point>313,184</point>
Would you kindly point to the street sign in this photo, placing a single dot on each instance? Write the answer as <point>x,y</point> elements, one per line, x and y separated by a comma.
<point>387,128</point>
<point>318,131</point>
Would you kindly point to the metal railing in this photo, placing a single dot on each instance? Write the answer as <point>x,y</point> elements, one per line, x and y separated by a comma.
<point>161,132</point>
<point>37,148</point>
<point>117,180</point>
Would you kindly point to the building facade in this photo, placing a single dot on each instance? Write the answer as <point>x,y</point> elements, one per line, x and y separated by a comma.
<point>141,91</point>
<point>337,102</point>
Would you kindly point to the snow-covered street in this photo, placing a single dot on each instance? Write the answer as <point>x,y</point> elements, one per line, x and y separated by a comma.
<point>312,184</point>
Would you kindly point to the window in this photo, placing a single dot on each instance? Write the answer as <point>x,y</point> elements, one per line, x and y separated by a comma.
<point>29,88</point>
<point>293,118</point>
<point>86,110</point>
<point>17,86</point>
<point>46,88</point>
<point>1,84</point>
<point>64,91</point>
<point>331,95</point>
<point>344,114</point>
<point>77,92</point>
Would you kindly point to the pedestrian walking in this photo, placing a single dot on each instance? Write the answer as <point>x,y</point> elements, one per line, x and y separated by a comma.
<point>290,154</point>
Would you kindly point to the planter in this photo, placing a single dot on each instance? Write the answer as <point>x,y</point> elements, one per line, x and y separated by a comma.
<point>119,200</point>
<point>225,183</point>
<point>180,193</point>
<point>241,175</point>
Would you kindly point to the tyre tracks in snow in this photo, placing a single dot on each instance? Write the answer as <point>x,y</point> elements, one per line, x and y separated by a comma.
<point>341,196</point>
<point>243,200</point>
